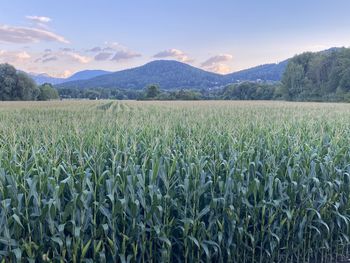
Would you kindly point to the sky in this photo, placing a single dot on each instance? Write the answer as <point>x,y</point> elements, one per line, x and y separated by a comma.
<point>62,37</point>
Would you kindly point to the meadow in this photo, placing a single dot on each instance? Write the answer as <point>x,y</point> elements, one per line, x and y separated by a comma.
<point>214,181</point>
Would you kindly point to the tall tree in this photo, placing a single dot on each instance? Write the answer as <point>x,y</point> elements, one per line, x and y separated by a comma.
<point>47,92</point>
<point>152,91</point>
<point>16,85</point>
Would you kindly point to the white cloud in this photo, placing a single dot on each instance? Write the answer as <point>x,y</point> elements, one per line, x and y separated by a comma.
<point>124,55</point>
<point>62,55</point>
<point>13,34</point>
<point>217,63</point>
<point>39,19</point>
<point>64,74</point>
<point>173,53</point>
<point>79,58</point>
<point>217,59</point>
<point>14,57</point>
<point>220,68</point>
<point>23,55</point>
<point>109,46</point>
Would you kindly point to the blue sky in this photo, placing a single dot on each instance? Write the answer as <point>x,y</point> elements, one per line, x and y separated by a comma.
<point>62,37</point>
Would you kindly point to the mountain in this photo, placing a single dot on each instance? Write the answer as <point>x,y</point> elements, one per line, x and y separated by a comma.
<point>81,75</point>
<point>44,78</point>
<point>86,74</point>
<point>266,72</point>
<point>168,74</point>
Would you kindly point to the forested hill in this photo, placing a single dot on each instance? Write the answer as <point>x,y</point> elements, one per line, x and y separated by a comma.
<point>165,73</point>
<point>266,72</point>
<point>80,75</point>
<point>323,76</point>
<point>176,75</point>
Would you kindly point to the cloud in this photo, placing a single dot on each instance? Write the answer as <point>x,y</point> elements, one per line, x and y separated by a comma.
<point>112,51</point>
<point>217,59</point>
<point>173,53</point>
<point>108,49</point>
<point>62,55</point>
<point>61,74</point>
<point>110,46</point>
<point>64,74</point>
<point>103,56</point>
<point>14,56</point>
<point>124,55</point>
<point>94,49</point>
<point>79,58</point>
<point>217,63</point>
<point>45,55</point>
<point>23,55</point>
<point>49,59</point>
<point>66,49</point>
<point>114,46</point>
<point>220,68</point>
<point>13,34</point>
<point>39,19</point>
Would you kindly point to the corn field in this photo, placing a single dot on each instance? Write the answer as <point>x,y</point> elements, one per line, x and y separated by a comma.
<point>109,181</point>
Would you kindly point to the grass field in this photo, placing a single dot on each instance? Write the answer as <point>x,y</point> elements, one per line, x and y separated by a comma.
<point>97,181</point>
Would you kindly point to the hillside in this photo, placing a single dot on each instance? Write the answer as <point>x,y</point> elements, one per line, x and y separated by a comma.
<point>86,74</point>
<point>45,78</point>
<point>81,75</point>
<point>174,75</point>
<point>167,74</point>
<point>267,72</point>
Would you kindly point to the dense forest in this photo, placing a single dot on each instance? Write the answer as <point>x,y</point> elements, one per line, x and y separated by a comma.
<point>16,85</point>
<point>322,76</point>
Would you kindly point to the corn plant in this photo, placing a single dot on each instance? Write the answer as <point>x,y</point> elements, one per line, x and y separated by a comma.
<point>107,181</point>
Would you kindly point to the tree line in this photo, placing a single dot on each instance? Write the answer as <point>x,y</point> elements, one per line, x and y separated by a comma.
<point>238,91</point>
<point>17,85</point>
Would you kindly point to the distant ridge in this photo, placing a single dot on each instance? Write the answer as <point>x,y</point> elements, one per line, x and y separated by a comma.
<point>81,75</point>
<point>87,74</point>
<point>266,72</point>
<point>44,78</point>
<point>170,74</point>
